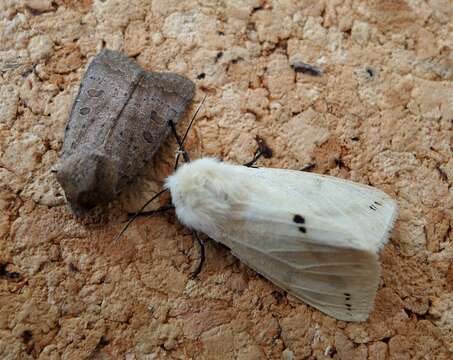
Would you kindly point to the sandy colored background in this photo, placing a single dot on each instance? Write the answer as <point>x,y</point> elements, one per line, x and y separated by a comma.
<point>384,106</point>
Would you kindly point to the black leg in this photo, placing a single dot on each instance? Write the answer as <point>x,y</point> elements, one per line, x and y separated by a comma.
<point>254,160</point>
<point>162,209</point>
<point>263,150</point>
<point>308,167</point>
<point>202,256</point>
<point>181,149</point>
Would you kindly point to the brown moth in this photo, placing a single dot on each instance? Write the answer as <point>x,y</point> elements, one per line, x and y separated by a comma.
<point>118,120</point>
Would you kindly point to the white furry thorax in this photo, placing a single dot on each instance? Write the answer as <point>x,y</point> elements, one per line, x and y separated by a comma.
<point>204,191</point>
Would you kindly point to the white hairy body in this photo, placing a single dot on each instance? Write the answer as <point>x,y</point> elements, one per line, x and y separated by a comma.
<point>315,236</point>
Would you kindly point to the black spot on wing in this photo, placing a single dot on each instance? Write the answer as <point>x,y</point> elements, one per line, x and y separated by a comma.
<point>299,219</point>
<point>347,297</point>
<point>374,205</point>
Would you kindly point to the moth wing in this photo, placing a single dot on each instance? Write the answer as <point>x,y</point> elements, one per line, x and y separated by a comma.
<point>123,110</point>
<point>315,236</point>
<point>339,282</point>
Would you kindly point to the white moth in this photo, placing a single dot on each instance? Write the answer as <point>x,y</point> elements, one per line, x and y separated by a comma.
<point>315,236</point>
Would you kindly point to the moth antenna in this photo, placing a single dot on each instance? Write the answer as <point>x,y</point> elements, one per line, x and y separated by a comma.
<point>193,119</point>
<point>137,214</point>
<point>181,149</point>
<point>181,143</point>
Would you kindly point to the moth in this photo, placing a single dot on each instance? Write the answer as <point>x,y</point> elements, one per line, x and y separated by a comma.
<point>117,122</point>
<point>315,236</point>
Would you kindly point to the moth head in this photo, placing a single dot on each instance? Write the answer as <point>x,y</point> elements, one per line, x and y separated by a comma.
<point>202,190</point>
<point>88,178</point>
<point>188,177</point>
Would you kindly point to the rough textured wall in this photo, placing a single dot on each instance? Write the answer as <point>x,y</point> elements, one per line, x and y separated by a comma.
<point>383,106</point>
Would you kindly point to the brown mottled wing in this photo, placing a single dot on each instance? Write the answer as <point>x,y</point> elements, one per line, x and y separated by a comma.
<point>117,122</point>
<point>123,111</point>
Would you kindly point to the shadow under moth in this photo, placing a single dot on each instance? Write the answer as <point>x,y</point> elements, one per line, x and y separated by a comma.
<point>117,122</point>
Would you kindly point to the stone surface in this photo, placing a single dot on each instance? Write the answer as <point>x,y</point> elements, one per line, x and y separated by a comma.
<point>383,105</point>
<point>40,46</point>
